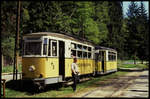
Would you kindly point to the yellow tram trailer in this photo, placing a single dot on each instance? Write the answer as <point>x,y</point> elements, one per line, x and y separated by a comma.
<point>47,57</point>
<point>105,60</point>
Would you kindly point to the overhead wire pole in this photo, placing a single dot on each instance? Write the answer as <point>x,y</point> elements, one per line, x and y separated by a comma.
<point>16,54</point>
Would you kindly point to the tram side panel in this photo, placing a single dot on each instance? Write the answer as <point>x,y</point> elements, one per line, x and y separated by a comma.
<point>111,63</point>
<point>52,67</point>
<point>85,66</point>
<point>68,62</point>
<point>44,67</point>
<point>36,63</point>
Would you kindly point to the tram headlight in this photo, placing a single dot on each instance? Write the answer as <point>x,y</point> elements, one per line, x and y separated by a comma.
<point>31,68</point>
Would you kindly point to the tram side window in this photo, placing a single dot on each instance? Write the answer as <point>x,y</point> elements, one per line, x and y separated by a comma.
<point>80,54</point>
<point>49,48</point>
<point>73,46</point>
<point>85,48</point>
<point>109,57</point>
<point>54,48</point>
<point>115,57</point>
<point>79,47</point>
<point>84,54</point>
<point>112,56</point>
<point>89,48</point>
<point>45,46</point>
<point>33,48</point>
<point>89,55</point>
<point>100,56</point>
<point>73,52</point>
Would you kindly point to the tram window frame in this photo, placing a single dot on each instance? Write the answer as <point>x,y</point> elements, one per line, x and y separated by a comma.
<point>26,47</point>
<point>115,57</point>
<point>72,54</point>
<point>111,56</point>
<point>85,48</point>
<point>79,55</point>
<point>85,54</point>
<point>90,55</point>
<point>79,47</point>
<point>100,56</point>
<point>45,43</point>
<point>73,46</point>
<point>89,49</point>
<point>52,42</point>
<point>49,47</point>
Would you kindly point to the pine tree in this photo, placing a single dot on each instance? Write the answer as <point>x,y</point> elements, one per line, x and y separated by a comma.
<point>133,37</point>
<point>142,32</point>
<point>115,38</point>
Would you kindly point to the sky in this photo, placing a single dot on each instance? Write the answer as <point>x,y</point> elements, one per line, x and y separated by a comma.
<point>126,4</point>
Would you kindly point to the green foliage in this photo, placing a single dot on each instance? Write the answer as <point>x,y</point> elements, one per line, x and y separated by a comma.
<point>143,33</point>
<point>8,19</point>
<point>9,69</point>
<point>141,66</point>
<point>8,47</point>
<point>101,18</point>
<point>136,25</point>
<point>99,21</point>
<point>113,19</point>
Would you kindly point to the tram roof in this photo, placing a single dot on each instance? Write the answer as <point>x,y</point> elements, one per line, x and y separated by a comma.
<point>61,35</point>
<point>105,48</point>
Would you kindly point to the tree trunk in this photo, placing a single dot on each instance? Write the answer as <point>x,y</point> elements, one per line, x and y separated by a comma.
<point>2,60</point>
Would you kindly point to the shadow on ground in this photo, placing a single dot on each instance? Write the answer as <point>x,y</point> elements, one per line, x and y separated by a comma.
<point>29,87</point>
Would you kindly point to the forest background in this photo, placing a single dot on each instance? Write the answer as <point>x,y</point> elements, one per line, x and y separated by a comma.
<point>101,22</point>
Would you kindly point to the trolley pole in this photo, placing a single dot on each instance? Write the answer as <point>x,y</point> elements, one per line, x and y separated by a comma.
<point>17,42</point>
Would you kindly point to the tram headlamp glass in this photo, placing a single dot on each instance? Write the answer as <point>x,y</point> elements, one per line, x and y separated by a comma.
<point>31,68</point>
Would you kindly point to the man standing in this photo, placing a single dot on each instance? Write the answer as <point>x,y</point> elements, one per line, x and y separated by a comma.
<point>75,72</point>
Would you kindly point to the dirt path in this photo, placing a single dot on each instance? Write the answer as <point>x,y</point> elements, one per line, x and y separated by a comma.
<point>130,85</point>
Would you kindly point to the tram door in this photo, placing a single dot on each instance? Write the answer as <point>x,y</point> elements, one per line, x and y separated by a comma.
<point>62,59</point>
<point>103,60</point>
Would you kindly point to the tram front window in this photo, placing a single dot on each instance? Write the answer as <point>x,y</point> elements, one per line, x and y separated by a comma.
<point>33,48</point>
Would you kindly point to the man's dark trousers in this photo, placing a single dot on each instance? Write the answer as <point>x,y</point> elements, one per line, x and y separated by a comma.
<point>74,81</point>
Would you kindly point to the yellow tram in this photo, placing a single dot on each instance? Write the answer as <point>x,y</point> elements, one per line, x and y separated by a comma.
<point>105,60</point>
<point>47,57</point>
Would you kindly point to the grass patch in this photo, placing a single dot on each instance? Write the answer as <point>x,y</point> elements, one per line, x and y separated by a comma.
<point>9,68</point>
<point>141,66</point>
<point>65,91</point>
<point>125,64</point>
